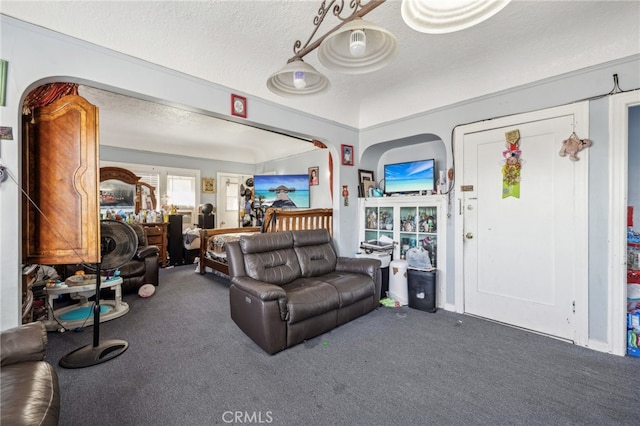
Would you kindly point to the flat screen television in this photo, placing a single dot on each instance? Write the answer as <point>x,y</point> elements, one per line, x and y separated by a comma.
<point>411,177</point>
<point>286,191</point>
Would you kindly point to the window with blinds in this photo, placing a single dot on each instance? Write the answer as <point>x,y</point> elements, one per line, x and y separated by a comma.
<point>181,191</point>
<point>151,178</point>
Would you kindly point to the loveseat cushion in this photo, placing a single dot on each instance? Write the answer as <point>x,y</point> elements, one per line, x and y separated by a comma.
<point>316,260</point>
<point>270,257</point>
<point>350,287</point>
<point>315,252</point>
<point>273,267</point>
<point>30,394</point>
<point>27,342</point>
<point>307,298</point>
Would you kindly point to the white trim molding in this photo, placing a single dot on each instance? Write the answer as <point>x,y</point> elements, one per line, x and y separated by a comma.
<point>618,196</point>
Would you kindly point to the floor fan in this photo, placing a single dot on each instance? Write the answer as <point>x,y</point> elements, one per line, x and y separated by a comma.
<point>118,244</point>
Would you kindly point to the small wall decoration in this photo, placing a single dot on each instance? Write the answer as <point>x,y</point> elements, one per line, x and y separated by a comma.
<point>6,133</point>
<point>345,194</point>
<point>239,106</point>
<point>512,166</point>
<point>314,177</point>
<point>208,185</point>
<point>347,155</point>
<point>572,145</point>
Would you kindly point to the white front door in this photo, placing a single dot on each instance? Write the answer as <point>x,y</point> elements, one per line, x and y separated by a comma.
<point>228,200</point>
<point>525,259</point>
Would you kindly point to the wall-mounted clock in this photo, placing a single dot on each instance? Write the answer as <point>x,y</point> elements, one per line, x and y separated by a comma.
<point>238,106</point>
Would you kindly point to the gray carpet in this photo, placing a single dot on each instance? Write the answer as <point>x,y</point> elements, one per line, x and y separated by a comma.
<point>188,364</point>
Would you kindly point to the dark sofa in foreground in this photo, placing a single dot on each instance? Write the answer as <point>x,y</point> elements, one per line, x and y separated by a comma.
<point>287,287</point>
<point>30,393</point>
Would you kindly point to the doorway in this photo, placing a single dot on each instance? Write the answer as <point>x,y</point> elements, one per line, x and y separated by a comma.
<point>619,106</point>
<point>228,199</point>
<point>522,260</point>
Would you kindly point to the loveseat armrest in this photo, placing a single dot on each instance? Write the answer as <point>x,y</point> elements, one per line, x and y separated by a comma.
<point>147,251</point>
<point>23,343</point>
<point>259,289</point>
<point>358,266</point>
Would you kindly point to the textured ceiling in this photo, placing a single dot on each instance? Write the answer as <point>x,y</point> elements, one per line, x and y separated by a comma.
<point>127,122</point>
<point>238,44</point>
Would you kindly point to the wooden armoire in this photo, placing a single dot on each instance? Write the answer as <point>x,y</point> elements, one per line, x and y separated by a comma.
<point>61,211</point>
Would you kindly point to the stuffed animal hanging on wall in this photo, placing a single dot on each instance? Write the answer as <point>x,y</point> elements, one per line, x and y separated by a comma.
<point>573,145</point>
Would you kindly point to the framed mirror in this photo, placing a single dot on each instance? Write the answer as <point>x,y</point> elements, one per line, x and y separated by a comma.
<point>121,190</point>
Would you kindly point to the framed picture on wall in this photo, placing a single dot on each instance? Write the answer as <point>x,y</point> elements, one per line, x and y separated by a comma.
<point>208,185</point>
<point>347,155</point>
<point>314,177</point>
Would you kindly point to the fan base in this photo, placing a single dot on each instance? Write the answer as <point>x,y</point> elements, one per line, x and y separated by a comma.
<point>89,355</point>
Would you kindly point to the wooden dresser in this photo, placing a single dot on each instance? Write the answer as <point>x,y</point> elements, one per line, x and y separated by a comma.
<point>157,236</point>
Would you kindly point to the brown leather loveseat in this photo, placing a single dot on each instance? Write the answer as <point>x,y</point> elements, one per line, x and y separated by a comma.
<point>287,287</point>
<point>30,393</point>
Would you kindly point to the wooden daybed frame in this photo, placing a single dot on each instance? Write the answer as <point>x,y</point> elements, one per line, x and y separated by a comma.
<point>276,220</point>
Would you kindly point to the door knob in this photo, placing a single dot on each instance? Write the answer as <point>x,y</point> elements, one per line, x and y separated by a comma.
<point>469,235</point>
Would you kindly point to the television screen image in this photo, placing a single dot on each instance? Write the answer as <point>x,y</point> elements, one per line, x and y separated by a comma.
<point>409,177</point>
<point>285,191</point>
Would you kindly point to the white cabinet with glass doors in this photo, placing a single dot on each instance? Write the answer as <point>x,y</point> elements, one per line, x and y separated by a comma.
<point>410,221</point>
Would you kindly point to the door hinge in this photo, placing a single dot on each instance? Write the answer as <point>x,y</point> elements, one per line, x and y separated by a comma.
<point>574,306</point>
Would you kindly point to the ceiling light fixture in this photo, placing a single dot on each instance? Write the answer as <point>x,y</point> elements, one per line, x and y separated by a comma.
<point>358,47</point>
<point>446,16</point>
<point>297,78</point>
<point>354,46</point>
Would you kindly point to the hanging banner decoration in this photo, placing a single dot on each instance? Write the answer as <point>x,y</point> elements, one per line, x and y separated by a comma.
<point>512,165</point>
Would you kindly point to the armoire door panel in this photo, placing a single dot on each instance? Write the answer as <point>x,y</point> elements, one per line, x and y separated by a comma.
<point>61,215</point>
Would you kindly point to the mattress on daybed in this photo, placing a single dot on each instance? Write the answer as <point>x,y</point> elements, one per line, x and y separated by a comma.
<point>191,239</point>
<point>215,244</point>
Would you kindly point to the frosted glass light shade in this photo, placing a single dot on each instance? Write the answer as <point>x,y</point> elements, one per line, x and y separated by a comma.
<point>282,82</point>
<point>381,48</point>
<point>446,16</point>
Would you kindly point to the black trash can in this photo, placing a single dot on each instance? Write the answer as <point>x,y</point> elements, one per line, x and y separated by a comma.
<point>385,259</point>
<point>384,288</point>
<point>422,289</point>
